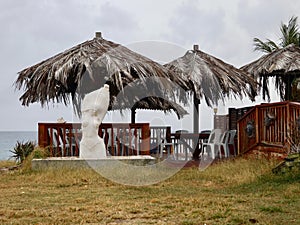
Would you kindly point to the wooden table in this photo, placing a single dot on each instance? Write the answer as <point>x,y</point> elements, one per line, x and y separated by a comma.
<point>189,140</point>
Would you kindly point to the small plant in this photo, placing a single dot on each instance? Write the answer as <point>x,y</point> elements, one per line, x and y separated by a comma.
<point>40,153</point>
<point>270,209</point>
<point>292,162</point>
<point>294,137</point>
<point>37,153</point>
<point>22,150</point>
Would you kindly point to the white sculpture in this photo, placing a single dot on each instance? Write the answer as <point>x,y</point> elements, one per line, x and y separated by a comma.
<point>93,109</point>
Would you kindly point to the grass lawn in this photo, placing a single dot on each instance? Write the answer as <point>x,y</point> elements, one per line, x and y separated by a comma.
<point>240,191</point>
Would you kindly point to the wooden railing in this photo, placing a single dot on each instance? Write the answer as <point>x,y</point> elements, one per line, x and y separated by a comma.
<point>63,139</point>
<point>158,136</point>
<point>126,139</point>
<point>247,129</point>
<point>234,114</point>
<point>158,132</point>
<point>267,127</point>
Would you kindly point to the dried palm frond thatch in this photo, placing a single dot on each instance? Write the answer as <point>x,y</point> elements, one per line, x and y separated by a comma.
<point>283,64</point>
<point>211,78</point>
<point>88,66</point>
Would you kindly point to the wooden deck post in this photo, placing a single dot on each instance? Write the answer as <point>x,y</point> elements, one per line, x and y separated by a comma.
<point>257,125</point>
<point>42,135</point>
<point>145,140</point>
<point>239,135</point>
<point>288,131</point>
<point>168,134</point>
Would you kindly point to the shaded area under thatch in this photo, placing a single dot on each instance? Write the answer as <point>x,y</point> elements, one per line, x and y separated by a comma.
<point>161,104</point>
<point>283,64</point>
<point>88,66</point>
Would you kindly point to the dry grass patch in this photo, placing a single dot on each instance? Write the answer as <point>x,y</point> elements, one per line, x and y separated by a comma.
<point>238,191</point>
<point>7,163</point>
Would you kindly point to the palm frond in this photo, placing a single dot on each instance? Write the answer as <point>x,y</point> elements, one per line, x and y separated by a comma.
<point>265,47</point>
<point>290,33</point>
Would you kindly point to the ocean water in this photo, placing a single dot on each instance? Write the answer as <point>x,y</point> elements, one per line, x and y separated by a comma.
<point>8,140</point>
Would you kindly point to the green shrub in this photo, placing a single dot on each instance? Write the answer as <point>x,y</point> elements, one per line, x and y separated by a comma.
<point>22,150</point>
<point>40,153</point>
<point>37,153</point>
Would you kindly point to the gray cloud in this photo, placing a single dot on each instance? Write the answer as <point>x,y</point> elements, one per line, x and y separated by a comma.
<point>263,18</point>
<point>116,23</point>
<point>192,24</point>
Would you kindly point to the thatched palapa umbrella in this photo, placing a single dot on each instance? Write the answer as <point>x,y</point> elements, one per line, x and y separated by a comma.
<point>283,64</point>
<point>211,78</point>
<point>69,75</point>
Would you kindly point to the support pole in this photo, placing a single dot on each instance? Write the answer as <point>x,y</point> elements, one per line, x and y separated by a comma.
<point>196,114</point>
<point>133,112</point>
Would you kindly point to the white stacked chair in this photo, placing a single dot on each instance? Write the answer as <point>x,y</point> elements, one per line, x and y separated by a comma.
<point>211,147</point>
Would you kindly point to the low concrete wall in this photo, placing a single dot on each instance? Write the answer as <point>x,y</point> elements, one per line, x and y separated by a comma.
<point>74,162</point>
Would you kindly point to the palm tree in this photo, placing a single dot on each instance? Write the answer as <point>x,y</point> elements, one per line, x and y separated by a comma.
<point>290,34</point>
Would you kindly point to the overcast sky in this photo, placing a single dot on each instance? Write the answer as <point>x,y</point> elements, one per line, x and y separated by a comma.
<point>33,30</point>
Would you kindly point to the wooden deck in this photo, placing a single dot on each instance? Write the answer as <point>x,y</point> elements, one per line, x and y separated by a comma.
<point>269,128</point>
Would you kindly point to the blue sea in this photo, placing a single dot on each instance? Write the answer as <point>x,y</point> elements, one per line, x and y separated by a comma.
<point>8,140</point>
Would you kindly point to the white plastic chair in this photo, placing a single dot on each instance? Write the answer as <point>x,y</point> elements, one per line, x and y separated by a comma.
<point>163,145</point>
<point>222,144</point>
<point>212,145</point>
<point>226,141</point>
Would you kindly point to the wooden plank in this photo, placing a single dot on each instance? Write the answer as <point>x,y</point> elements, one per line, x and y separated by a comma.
<point>288,120</point>
<point>145,139</point>
<point>42,135</point>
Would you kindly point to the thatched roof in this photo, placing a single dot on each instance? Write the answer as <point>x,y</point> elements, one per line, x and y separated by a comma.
<point>88,66</point>
<point>211,78</point>
<point>279,62</point>
<point>283,64</point>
